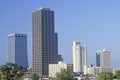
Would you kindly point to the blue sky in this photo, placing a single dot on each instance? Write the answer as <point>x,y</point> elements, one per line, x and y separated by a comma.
<point>95,23</point>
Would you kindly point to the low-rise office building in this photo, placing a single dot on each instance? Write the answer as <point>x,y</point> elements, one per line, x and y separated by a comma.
<point>98,70</point>
<point>54,68</point>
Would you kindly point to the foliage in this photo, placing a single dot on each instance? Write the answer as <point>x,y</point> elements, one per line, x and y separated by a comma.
<point>114,77</point>
<point>105,76</point>
<point>87,77</point>
<point>35,77</point>
<point>118,74</point>
<point>0,76</point>
<point>64,75</point>
<point>11,71</point>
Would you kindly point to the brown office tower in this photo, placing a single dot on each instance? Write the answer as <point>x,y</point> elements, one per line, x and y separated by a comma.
<point>44,41</point>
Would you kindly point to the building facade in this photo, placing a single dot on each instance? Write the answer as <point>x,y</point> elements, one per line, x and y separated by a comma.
<point>79,57</point>
<point>44,41</point>
<point>17,49</point>
<point>103,58</point>
<point>98,70</point>
<point>54,68</point>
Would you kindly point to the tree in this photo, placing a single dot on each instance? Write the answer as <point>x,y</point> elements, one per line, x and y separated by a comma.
<point>64,75</point>
<point>114,76</point>
<point>118,74</point>
<point>11,71</point>
<point>87,77</point>
<point>105,76</point>
<point>35,77</point>
<point>0,76</point>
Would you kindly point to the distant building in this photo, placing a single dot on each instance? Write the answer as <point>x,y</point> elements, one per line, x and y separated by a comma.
<point>93,71</point>
<point>98,70</point>
<point>90,70</point>
<point>114,70</point>
<point>54,68</point>
<point>44,41</point>
<point>79,57</point>
<point>17,49</point>
<point>103,58</point>
<point>60,58</point>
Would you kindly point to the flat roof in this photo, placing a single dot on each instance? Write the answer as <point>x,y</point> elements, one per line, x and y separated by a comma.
<point>17,34</point>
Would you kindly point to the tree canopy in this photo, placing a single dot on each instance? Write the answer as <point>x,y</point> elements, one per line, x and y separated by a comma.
<point>118,74</point>
<point>87,77</point>
<point>64,75</point>
<point>35,77</point>
<point>105,76</point>
<point>11,71</point>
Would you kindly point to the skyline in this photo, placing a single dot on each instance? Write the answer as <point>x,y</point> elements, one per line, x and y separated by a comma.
<point>72,22</point>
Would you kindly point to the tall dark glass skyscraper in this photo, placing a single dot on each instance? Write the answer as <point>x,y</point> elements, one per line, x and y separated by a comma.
<point>17,49</point>
<point>44,41</point>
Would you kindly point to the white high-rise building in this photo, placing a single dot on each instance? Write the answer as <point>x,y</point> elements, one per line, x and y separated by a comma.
<point>79,57</point>
<point>103,58</point>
